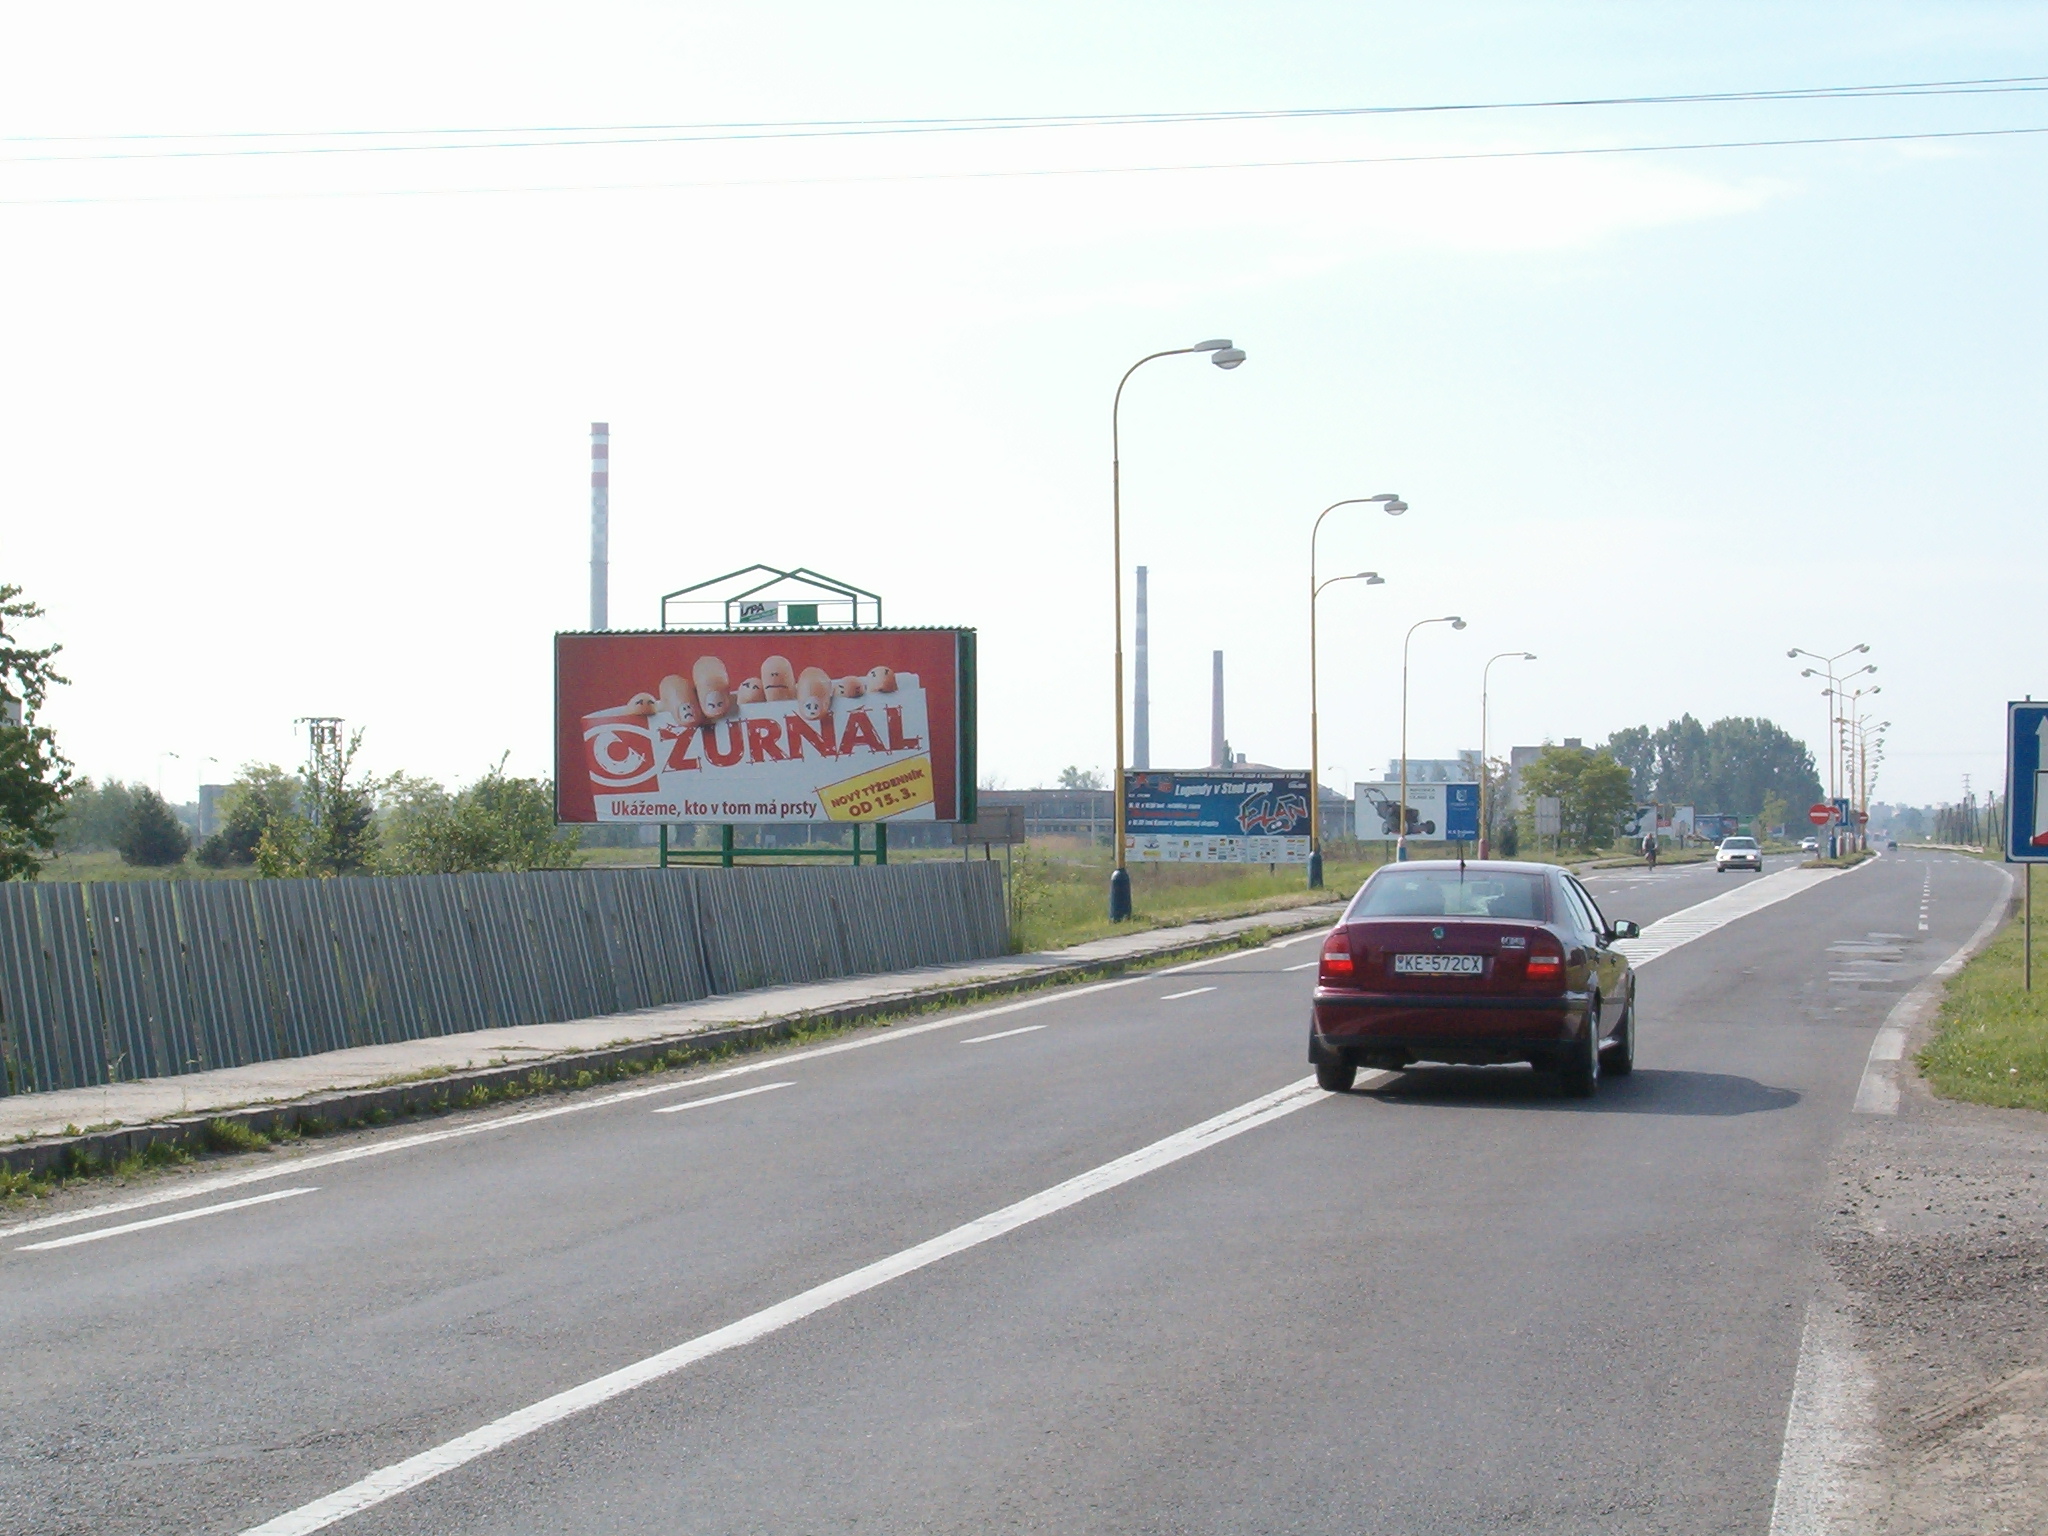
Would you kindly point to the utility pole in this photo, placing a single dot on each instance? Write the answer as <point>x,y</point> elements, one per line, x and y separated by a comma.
<point>600,523</point>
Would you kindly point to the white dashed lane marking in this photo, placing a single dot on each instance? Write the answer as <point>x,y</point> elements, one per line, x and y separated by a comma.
<point>1002,1034</point>
<point>163,1221</point>
<point>720,1098</point>
<point>1174,997</point>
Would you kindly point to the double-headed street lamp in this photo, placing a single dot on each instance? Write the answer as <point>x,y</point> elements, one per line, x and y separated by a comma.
<point>1394,506</point>
<point>1483,674</point>
<point>1401,836</point>
<point>1826,669</point>
<point>1225,356</point>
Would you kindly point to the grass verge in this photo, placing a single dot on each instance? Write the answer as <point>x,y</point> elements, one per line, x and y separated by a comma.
<point>1840,860</point>
<point>1990,1042</point>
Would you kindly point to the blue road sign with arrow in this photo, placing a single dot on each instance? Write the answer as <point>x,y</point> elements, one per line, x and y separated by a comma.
<point>2026,782</point>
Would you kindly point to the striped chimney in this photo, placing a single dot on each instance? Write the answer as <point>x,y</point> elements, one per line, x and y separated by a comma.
<point>600,522</point>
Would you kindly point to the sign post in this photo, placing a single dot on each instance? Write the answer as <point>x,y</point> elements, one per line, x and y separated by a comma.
<point>2026,803</point>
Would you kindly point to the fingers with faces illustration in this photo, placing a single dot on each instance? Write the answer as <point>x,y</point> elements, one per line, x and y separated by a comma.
<point>707,693</point>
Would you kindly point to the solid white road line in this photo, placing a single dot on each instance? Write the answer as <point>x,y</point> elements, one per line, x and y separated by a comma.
<point>1174,997</point>
<point>1878,1091</point>
<point>162,1221</point>
<point>388,1482</point>
<point>1825,1427</point>
<point>773,1061</point>
<point>721,1098</point>
<point>1003,1034</point>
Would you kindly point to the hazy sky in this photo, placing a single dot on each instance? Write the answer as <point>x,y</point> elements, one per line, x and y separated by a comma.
<point>307,434</point>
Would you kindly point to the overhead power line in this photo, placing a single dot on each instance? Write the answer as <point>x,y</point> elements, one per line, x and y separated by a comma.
<point>1100,170</point>
<point>366,141</point>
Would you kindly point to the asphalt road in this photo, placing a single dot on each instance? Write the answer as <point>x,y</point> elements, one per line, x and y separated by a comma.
<point>1456,1302</point>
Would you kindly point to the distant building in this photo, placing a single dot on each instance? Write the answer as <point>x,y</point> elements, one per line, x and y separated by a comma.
<point>1435,770</point>
<point>210,797</point>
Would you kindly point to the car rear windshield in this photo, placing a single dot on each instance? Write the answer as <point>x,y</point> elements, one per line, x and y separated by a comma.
<point>1452,893</point>
<point>1738,842</point>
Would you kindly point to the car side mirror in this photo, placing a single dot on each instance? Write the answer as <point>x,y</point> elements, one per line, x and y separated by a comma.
<point>1624,929</point>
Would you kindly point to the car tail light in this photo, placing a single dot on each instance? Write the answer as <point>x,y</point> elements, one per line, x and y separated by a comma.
<point>1336,969</point>
<point>1546,962</point>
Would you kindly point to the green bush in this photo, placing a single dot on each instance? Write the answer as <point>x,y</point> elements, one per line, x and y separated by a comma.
<point>153,837</point>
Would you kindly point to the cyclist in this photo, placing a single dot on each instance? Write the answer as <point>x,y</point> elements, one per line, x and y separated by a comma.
<point>1650,848</point>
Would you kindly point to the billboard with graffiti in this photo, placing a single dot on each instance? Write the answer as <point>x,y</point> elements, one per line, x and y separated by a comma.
<point>830,725</point>
<point>1216,816</point>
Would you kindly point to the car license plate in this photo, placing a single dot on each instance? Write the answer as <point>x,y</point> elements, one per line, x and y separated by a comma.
<point>1439,965</point>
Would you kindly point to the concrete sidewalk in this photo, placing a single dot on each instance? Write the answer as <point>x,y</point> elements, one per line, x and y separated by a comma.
<point>34,1116</point>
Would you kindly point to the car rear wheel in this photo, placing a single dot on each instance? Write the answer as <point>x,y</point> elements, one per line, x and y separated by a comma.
<point>1336,1076</point>
<point>1620,1057</point>
<point>1578,1064</point>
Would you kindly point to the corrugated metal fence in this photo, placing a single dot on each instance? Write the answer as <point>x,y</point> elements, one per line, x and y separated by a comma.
<point>104,983</point>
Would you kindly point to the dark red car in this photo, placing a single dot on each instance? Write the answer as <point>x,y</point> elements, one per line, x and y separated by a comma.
<point>1474,963</point>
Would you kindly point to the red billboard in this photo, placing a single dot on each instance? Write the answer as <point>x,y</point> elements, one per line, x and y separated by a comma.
<point>723,725</point>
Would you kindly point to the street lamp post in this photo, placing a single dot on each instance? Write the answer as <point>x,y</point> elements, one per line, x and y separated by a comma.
<point>1315,787</point>
<point>1395,507</point>
<point>1483,678</point>
<point>1225,356</point>
<point>1401,832</point>
<point>1827,670</point>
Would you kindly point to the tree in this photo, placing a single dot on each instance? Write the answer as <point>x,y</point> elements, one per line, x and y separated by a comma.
<point>1636,750</point>
<point>95,815</point>
<point>33,773</point>
<point>1593,790</point>
<point>1072,777</point>
<point>499,822</point>
<point>1727,767</point>
<point>262,795</point>
<point>332,829</point>
<point>1776,809</point>
<point>153,838</point>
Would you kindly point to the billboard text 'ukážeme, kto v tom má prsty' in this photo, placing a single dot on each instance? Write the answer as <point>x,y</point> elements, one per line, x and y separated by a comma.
<point>778,725</point>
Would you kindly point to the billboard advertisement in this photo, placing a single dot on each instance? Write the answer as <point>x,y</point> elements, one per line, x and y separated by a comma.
<point>840,725</point>
<point>1216,816</point>
<point>1436,812</point>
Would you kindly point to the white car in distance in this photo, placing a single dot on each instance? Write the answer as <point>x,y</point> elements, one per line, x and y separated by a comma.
<point>1809,845</point>
<point>1738,853</point>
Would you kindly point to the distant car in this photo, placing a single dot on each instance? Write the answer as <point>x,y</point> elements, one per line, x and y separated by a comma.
<point>1474,964</point>
<point>1809,845</point>
<point>1738,853</point>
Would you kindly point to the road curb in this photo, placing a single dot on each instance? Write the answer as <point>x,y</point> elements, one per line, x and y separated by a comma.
<point>93,1150</point>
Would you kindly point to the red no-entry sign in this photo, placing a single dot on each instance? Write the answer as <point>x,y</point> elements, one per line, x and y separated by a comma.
<point>1820,815</point>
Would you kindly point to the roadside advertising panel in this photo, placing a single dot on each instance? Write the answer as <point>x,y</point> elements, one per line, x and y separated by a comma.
<point>1461,813</point>
<point>1216,816</point>
<point>2026,782</point>
<point>838,725</point>
<point>1437,812</point>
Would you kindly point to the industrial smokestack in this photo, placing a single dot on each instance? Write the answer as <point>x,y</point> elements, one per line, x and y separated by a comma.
<point>1141,735</point>
<point>1219,749</point>
<point>600,523</point>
